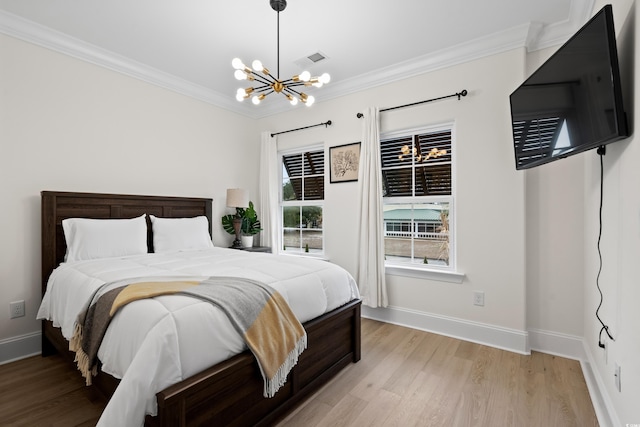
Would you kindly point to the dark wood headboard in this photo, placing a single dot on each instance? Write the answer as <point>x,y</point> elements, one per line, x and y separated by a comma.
<point>57,206</point>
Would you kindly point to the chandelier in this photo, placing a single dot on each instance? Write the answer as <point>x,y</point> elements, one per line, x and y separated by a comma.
<point>266,83</point>
<point>433,153</point>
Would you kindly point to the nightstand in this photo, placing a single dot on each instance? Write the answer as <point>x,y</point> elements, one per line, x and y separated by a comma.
<point>256,249</point>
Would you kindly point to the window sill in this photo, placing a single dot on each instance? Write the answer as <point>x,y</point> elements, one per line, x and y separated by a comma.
<point>423,273</point>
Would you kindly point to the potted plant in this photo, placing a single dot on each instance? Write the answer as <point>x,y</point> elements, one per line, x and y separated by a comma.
<point>249,226</point>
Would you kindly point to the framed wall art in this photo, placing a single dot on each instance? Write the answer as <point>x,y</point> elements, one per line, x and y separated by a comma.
<point>344,161</point>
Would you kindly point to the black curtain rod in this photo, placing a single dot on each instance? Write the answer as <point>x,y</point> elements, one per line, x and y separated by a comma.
<point>458,94</point>
<point>325,124</point>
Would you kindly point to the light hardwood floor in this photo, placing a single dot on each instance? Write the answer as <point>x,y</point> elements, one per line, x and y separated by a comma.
<point>405,378</point>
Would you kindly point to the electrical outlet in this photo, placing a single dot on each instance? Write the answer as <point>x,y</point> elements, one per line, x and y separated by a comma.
<point>616,375</point>
<point>478,298</point>
<point>16,309</point>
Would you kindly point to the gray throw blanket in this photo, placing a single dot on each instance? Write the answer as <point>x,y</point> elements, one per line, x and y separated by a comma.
<point>257,312</point>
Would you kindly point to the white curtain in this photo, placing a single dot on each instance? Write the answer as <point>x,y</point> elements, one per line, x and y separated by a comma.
<point>269,185</point>
<point>370,277</point>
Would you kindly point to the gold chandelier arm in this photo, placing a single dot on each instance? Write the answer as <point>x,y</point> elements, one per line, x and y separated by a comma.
<point>260,79</point>
<point>266,90</point>
<point>288,88</point>
<point>294,84</point>
<point>266,72</point>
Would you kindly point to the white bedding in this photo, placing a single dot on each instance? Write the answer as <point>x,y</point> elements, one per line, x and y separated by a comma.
<point>154,343</point>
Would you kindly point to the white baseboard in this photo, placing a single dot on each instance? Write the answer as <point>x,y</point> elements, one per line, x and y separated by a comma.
<point>568,346</point>
<point>503,338</point>
<point>17,348</point>
<point>602,404</point>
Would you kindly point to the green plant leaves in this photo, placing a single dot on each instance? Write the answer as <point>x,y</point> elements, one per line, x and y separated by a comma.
<point>250,222</point>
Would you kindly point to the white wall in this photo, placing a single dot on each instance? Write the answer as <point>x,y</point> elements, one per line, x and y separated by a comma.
<point>620,244</point>
<point>489,192</point>
<point>66,125</point>
<point>555,242</point>
<point>562,215</point>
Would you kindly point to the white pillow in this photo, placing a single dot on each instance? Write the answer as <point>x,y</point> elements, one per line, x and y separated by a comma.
<point>180,234</point>
<point>104,238</point>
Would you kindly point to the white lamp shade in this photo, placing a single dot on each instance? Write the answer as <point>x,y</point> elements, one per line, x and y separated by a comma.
<point>237,198</point>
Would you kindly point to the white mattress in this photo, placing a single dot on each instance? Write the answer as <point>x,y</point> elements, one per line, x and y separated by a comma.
<point>154,343</point>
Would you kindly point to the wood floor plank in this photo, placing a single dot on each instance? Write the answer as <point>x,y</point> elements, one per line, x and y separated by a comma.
<point>344,413</point>
<point>313,410</point>
<point>48,392</point>
<point>376,378</point>
<point>441,409</point>
<point>405,378</point>
<point>378,410</point>
<point>420,391</point>
<point>475,395</point>
<point>404,375</point>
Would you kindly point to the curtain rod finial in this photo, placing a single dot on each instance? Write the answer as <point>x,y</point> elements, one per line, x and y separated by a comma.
<point>359,115</point>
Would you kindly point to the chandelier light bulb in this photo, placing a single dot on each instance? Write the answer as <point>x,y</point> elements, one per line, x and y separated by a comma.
<point>240,75</point>
<point>305,76</point>
<point>241,94</point>
<point>310,100</point>
<point>257,98</point>
<point>324,78</point>
<point>257,65</point>
<point>237,64</point>
<point>293,100</point>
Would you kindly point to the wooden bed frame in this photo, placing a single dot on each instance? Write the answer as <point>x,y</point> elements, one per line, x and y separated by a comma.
<point>229,393</point>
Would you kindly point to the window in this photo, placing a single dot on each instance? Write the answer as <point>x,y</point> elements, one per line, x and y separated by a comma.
<point>418,198</point>
<point>302,201</point>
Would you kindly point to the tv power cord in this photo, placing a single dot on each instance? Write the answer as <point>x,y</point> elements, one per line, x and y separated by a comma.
<point>601,152</point>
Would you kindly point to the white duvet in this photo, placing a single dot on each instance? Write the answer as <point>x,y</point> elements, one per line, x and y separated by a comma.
<point>154,343</point>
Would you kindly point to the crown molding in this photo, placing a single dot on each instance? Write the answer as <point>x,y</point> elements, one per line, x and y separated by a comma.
<point>532,36</point>
<point>558,33</point>
<point>40,35</point>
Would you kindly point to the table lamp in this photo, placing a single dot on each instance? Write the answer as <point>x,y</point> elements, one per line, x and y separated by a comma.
<point>237,198</point>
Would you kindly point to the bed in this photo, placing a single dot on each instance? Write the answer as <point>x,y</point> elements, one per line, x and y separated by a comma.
<point>229,392</point>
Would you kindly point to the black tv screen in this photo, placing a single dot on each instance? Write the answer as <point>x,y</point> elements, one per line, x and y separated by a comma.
<point>573,102</point>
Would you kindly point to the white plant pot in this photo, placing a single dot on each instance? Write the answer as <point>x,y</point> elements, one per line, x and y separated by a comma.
<point>247,241</point>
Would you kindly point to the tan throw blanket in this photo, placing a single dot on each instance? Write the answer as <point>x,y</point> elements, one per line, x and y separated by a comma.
<point>257,311</point>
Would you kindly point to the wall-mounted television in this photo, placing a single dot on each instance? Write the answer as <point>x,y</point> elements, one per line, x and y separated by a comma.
<point>573,102</point>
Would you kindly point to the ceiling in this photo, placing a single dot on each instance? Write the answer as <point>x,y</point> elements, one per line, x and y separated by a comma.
<point>187,45</point>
